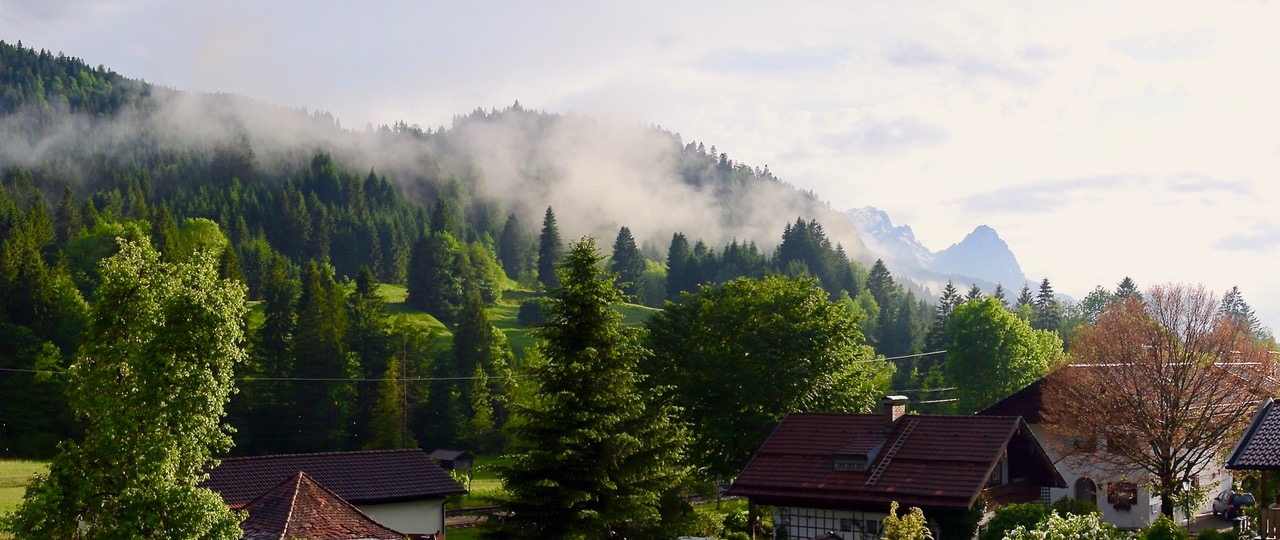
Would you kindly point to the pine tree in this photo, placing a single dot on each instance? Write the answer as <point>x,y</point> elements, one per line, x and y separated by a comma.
<point>1048,313</point>
<point>1126,288</point>
<point>368,340</point>
<point>320,353</point>
<point>513,248</point>
<point>593,455</point>
<point>1235,309</point>
<point>549,251</point>
<point>678,256</point>
<point>1025,297</point>
<point>975,293</point>
<point>998,294</point>
<point>627,262</point>
<point>67,222</point>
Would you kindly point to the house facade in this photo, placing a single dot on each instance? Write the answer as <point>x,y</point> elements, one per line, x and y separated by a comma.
<point>1121,495</point>
<point>403,490</point>
<point>835,475</point>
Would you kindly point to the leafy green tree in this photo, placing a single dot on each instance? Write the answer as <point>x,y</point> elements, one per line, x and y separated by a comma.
<point>435,283</point>
<point>627,262</point>
<point>739,356</point>
<point>151,383</point>
<point>991,353</point>
<point>909,526</point>
<point>593,453</point>
<point>1010,516</point>
<point>550,250</point>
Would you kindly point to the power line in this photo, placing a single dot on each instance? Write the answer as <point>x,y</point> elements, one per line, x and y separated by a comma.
<point>923,390</point>
<point>314,379</point>
<point>917,355</point>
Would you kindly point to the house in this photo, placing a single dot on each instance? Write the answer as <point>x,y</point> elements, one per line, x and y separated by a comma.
<point>453,460</point>
<point>1259,450</point>
<point>298,507</point>
<point>836,474</point>
<point>1121,495</point>
<point>403,490</point>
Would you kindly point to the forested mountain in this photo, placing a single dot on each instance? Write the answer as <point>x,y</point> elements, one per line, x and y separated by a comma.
<point>311,216</point>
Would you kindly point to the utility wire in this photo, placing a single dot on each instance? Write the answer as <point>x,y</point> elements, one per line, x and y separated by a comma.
<point>917,355</point>
<point>311,379</point>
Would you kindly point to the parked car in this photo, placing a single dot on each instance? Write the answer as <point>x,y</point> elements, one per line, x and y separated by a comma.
<point>1230,504</point>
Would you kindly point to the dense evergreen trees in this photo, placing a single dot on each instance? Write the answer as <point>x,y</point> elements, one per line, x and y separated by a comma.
<point>593,453</point>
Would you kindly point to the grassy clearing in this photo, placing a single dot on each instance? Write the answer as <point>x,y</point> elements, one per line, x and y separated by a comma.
<point>394,297</point>
<point>485,484</point>
<point>14,476</point>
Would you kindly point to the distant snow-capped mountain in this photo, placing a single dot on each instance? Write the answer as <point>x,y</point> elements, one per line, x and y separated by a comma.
<point>981,258</point>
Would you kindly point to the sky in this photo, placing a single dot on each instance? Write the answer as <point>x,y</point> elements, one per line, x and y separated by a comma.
<point>1099,139</point>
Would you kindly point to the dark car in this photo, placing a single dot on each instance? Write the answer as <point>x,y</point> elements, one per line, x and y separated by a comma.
<point>1230,504</point>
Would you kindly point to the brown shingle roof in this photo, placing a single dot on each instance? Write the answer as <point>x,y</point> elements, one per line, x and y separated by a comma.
<point>298,507</point>
<point>945,461</point>
<point>1259,448</point>
<point>358,477</point>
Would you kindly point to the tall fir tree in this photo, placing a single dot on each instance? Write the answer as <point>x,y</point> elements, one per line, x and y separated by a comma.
<point>514,248</point>
<point>320,354</point>
<point>1126,288</point>
<point>678,256</point>
<point>593,455</point>
<point>550,250</point>
<point>1048,312</point>
<point>627,262</point>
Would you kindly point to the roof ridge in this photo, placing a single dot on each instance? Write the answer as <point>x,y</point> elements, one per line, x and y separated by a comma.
<point>293,502</point>
<point>338,453</point>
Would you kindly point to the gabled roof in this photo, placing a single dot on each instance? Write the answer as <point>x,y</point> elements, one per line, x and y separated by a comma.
<point>943,461</point>
<point>358,477</point>
<point>299,507</point>
<point>1259,448</point>
<point>449,455</point>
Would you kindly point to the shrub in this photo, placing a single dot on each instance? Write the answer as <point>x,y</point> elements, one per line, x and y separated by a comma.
<point>531,312</point>
<point>1010,516</point>
<point>1070,527</point>
<point>1075,507</point>
<point>1165,529</point>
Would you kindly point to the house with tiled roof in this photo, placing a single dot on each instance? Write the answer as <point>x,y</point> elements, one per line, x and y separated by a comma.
<point>1259,450</point>
<point>403,490</point>
<point>836,474</point>
<point>298,507</point>
<point>1125,501</point>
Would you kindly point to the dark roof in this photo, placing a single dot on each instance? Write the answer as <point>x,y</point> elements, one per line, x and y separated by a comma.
<point>449,455</point>
<point>358,477</point>
<point>1259,448</point>
<point>299,507</point>
<point>1024,403</point>
<point>944,461</point>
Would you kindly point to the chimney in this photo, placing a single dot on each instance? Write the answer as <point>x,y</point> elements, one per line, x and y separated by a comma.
<point>894,408</point>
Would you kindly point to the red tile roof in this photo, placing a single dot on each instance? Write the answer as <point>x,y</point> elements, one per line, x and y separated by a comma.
<point>944,461</point>
<point>299,507</point>
<point>1259,448</point>
<point>358,477</point>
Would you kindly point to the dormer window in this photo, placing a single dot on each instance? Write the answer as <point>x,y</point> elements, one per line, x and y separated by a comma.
<point>851,463</point>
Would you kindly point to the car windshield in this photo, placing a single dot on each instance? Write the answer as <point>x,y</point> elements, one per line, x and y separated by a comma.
<point>1242,498</point>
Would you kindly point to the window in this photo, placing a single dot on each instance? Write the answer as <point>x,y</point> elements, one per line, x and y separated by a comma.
<point>872,526</point>
<point>851,464</point>
<point>997,475</point>
<point>846,525</point>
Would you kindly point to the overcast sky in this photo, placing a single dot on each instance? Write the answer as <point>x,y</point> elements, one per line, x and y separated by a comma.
<point>1099,139</point>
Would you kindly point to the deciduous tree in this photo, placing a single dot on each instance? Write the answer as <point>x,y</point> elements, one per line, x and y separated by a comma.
<point>991,353</point>
<point>741,355</point>
<point>1163,382</point>
<point>151,383</point>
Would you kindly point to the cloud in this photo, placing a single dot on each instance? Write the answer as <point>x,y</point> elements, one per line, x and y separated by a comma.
<point>768,62</point>
<point>1263,235</point>
<point>1043,197</point>
<point>1167,46</point>
<point>1197,183</point>
<point>881,137</point>
<point>917,55</point>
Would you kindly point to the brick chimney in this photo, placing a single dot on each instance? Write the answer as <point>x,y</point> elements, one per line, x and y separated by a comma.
<point>894,408</point>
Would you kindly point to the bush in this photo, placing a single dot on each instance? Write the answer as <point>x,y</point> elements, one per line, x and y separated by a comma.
<point>531,312</point>
<point>735,522</point>
<point>1074,507</point>
<point>1165,529</point>
<point>1214,534</point>
<point>1069,527</point>
<point>737,536</point>
<point>1010,516</point>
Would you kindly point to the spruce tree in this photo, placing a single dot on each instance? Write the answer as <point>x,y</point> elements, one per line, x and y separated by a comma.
<point>1048,314</point>
<point>1126,288</point>
<point>1025,297</point>
<point>593,455</point>
<point>320,353</point>
<point>513,248</point>
<point>67,222</point>
<point>627,262</point>
<point>678,256</point>
<point>549,251</point>
<point>998,294</point>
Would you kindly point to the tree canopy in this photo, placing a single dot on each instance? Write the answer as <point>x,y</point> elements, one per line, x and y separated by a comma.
<point>1164,380</point>
<point>741,355</point>
<point>991,353</point>
<point>151,383</point>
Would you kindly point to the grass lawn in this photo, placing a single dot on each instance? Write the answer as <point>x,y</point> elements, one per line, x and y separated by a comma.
<point>394,297</point>
<point>14,476</point>
<point>484,483</point>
